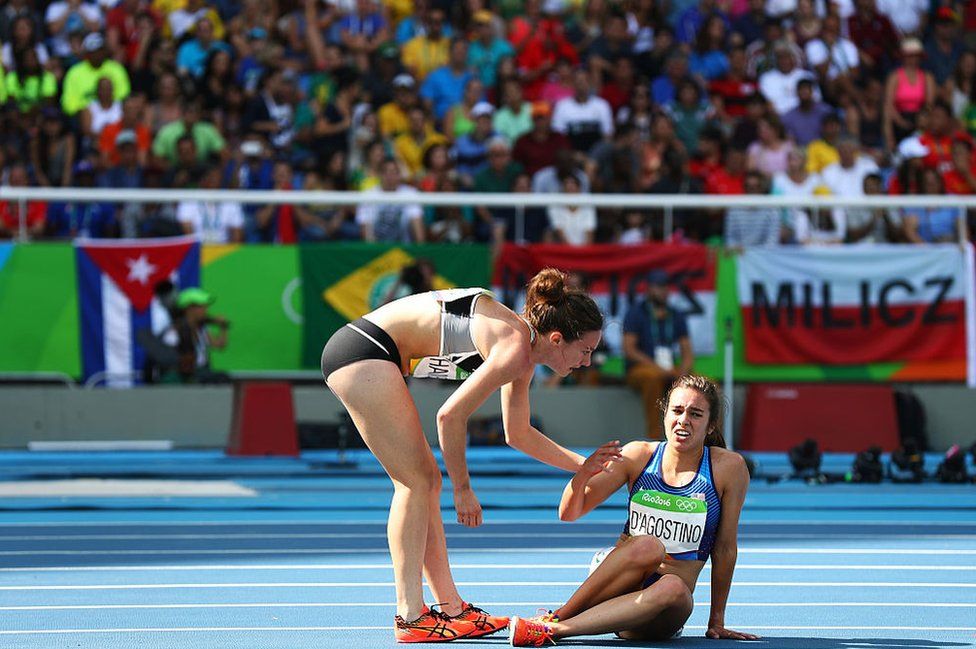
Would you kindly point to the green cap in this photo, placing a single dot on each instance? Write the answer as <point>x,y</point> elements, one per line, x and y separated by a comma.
<point>193,297</point>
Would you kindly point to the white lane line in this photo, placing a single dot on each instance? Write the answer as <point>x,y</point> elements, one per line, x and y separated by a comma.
<point>488,566</point>
<point>282,551</point>
<point>450,523</point>
<point>83,607</point>
<point>383,584</point>
<point>453,537</point>
<point>386,628</point>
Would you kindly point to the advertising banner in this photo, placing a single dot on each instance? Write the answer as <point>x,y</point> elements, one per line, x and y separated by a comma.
<point>615,276</point>
<point>854,305</point>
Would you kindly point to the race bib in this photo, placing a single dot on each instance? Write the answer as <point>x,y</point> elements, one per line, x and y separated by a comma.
<point>678,521</point>
<point>453,367</point>
<point>664,357</point>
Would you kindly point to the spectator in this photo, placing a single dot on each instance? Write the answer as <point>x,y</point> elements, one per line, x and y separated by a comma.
<point>937,224</point>
<point>614,165</point>
<point>192,335</point>
<point>126,170</point>
<point>122,32</point>
<point>514,118</point>
<point>378,80</point>
<point>908,90</point>
<point>191,57</point>
<point>449,223</point>
<point>538,148</point>
<point>429,51</point>
<point>689,114</point>
<point>572,224</point>
<point>216,81</point>
<point>691,20</point>
<point>731,93</point>
<point>459,120</point>
<point>846,176</point>
<point>906,15</point>
<point>286,223</point>
<point>872,224</point>
<point>822,153</point>
<point>910,154</point>
<point>362,31</point>
<point>653,331</point>
<point>444,87</point>
<point>212,221</point>
<point>402,223</point>
<point>962,85</point>
<point>498,176</point>
<point>547,180</point>
<point>539,42</point>
<point>392,115</point>
<point>652,62</point>
<point>131,120</point>
<point>82,78</point>
<point>664,87</point>
<point>621,85</point>
<point>803,122</point>
<point>418,23</point>
<point>709,61</point>
<point>638,112</point>
<point>23,39</point>
<point>584,118</point>
<point>634,230</point>
<point>875,37</point>
<point>30,86</point>
<point>487,50</point>
<point>182,21</point>
<point>768,154</point>
<point>326,222</point>
<point>730,179</point>
<point>410,146</point>
<point>654,151</point>
<point>35,214</point>
<point>209,143</point>
<point>367,175</point>
<point>81,219</point>
<point>53,151</point>
<point>865,119</point>
<point>779,84</point>
<point>943,46</point>
<point>332,127</point>
<point>960,179</point>
<point>103,110</point>
<point>471,149</point>
<point>612,45</point>
<point>938,135</point>
<point>796,181</point>
<point>167,104</point>
<point>835,59</point>
<point>752,226</point>
<point>750,24</point>
<point>65,18</point>
<point>272,112</point>
<point>558,84</point>
<point>676,178</point>
<point>762,55</point>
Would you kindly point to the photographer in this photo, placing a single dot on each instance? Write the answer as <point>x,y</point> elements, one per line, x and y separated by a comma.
<point>197,332</point>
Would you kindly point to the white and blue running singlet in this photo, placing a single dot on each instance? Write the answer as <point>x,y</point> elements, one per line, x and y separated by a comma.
<point>685,519</point>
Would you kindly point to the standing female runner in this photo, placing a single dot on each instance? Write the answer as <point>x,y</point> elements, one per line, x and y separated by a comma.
<point>459,334</point>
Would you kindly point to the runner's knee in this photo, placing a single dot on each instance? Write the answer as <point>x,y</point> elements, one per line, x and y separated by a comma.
<point>643,552</point>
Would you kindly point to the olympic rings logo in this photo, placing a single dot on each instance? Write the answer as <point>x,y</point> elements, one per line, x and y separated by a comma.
<point>686,505</point>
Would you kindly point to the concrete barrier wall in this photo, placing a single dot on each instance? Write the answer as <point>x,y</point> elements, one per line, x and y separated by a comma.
<point>200,416</point>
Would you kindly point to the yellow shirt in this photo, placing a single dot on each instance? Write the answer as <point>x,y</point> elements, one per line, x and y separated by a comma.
<point>393,120</point>
<point>398,9</point>
<point>165,7</point>
<point>423,56</point>
<point>820,155</point>
<point>411,152</point>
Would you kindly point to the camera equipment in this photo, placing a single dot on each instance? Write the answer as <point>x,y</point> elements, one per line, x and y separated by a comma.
<point>867,466</point>
<point>952,469</point>
<point>805,458</point>
<point>907,463</point>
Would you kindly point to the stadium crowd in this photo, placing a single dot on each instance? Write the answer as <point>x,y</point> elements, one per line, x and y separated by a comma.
<point>792,97</point>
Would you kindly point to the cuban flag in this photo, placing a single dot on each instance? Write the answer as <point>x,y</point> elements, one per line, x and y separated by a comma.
<point>116,298</point>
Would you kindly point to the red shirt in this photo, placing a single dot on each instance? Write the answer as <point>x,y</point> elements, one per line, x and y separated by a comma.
<point>534,155</point>
<point>875,36</point>
<point>541,44</point>
<point>10,215</point>
<point>940,150</point>
<point>722,182</point>
<point>735,94</point>
<point>955,183</point>
<point>702,169</point>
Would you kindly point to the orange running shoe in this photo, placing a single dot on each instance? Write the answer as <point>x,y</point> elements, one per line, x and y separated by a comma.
<point>431,626</point>
<point>526,633</point>
<point>484,623</point>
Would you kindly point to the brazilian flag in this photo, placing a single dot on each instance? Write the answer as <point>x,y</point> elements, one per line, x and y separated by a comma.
<point>343,281</point>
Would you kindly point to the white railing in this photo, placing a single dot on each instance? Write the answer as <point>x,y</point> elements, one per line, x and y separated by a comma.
<point>665,202</point>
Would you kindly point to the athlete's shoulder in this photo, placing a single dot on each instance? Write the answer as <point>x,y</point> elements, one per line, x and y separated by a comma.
<point>728,467</point>
<point>636,455</point>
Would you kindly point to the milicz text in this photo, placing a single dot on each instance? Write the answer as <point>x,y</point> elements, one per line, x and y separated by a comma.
<point>873,302</point>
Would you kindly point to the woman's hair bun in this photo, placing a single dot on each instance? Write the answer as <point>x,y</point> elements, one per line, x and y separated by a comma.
<point>547,287</point>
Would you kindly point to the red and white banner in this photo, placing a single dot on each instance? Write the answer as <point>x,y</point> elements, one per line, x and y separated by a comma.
<point>853,305</point>
<point>615,277</point>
